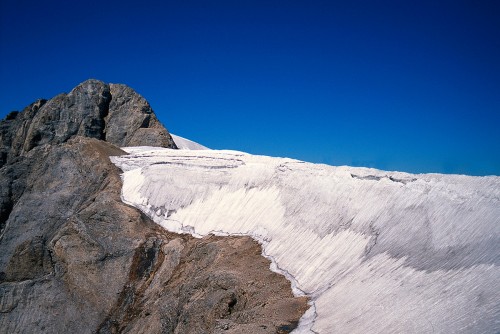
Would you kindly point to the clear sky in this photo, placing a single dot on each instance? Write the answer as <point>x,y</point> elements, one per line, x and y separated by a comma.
<point>396,85</point>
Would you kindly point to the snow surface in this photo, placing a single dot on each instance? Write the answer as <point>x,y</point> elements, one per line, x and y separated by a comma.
<point>186,144</point>
<point>377,252</point>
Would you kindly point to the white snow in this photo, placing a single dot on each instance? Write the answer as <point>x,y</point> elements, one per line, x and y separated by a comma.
<point>377,252</point>
<point>186,144</point>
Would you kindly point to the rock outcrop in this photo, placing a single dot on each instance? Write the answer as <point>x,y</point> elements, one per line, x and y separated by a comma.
<point>111,112</point>
<point>75,258</point>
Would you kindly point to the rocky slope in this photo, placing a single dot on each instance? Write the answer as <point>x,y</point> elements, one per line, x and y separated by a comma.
<point>75,258</point>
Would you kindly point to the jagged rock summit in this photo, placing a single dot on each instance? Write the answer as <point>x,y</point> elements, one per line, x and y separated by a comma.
<point>111,112</point>
<point>75,259</point>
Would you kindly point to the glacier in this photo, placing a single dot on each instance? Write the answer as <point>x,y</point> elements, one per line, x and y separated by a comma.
<point>375,251</point>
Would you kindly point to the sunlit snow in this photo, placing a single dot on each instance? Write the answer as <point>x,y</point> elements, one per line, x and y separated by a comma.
<point>377,252</point>
<point>186,144</point>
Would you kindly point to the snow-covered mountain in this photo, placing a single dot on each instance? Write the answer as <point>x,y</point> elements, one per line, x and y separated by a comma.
<point>373,251</point>
<point>376,252</point>
<point>186,144</point>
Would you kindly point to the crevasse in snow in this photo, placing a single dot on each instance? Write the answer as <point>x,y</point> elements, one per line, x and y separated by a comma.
<point>377,252</point>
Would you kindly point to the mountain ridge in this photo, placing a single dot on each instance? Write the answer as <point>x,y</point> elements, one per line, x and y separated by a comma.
<point>75,258</point>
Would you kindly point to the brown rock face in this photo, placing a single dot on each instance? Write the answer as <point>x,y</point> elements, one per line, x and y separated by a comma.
<point>75,259</point>
<point>208,285</point>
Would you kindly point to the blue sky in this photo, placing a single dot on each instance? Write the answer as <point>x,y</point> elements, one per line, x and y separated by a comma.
<point>396,85</point>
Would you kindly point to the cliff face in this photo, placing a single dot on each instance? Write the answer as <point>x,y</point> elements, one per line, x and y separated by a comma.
<point>75,258</point>
<point>111,112</point>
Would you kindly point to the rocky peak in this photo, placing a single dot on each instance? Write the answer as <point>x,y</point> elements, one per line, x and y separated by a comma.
<point>111,112</point>
<point>75,258</point>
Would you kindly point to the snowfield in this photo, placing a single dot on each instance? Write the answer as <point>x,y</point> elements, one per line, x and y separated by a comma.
<point>186,144</point>
<point>377,252</point>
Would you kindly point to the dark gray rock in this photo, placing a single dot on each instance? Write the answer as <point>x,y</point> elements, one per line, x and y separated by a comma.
<point>14,131</point>
<point>132,122</point>
<point>114,113</point>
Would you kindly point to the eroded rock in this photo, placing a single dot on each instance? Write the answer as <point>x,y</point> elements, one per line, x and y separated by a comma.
<point>111,112</point>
